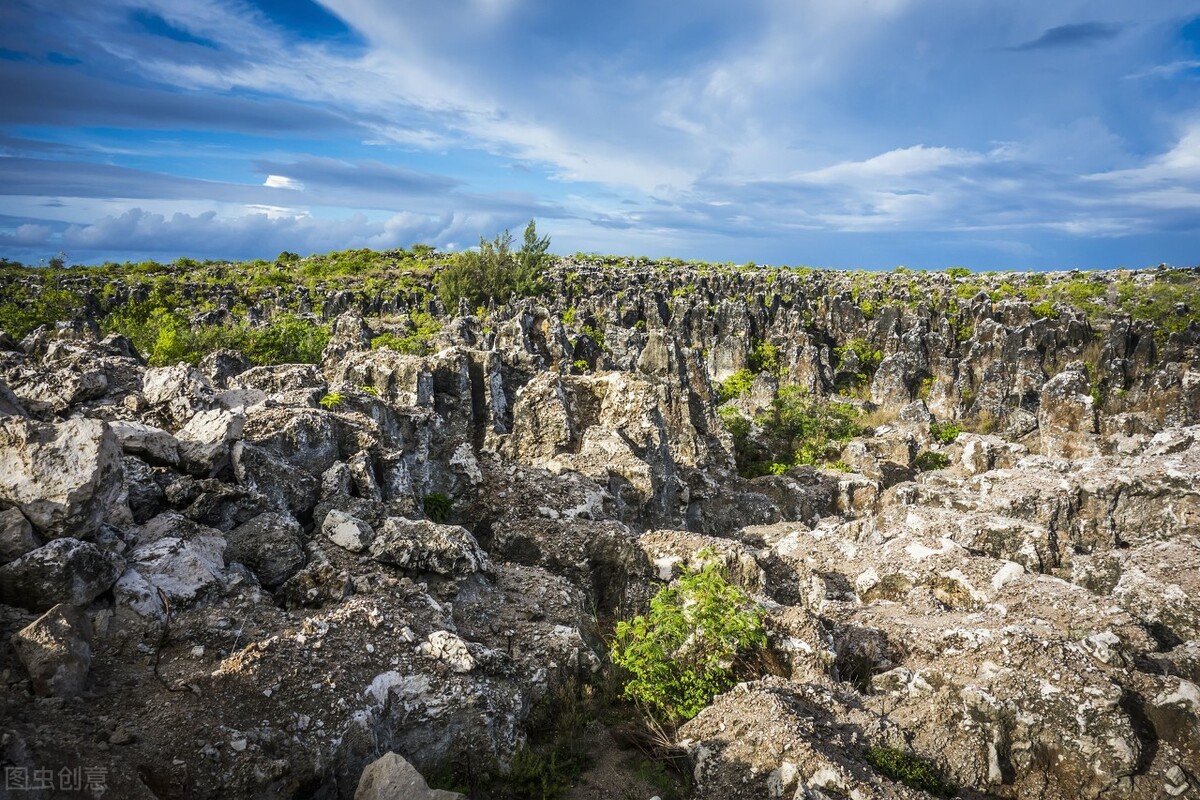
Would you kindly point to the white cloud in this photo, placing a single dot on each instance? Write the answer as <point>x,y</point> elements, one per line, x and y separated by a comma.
<point>283,182</point>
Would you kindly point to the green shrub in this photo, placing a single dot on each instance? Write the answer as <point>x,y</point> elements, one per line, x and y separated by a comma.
<point>332,400</point>
<point>286,339</point>
<point>437,506</point>
<point>43,306</point>
<point>958,272</point>
<point>929,461</point>
<point>797,429</point>
<point>910,769</point>
<point>595,334</point>
<point>414,342</point>
<point>735,385</point>
<point>1045,310</point>
<point>945,432</point>
<point>695,642</point>
<point>807,426</point>
<point>764,357</point>
<point>869,358</point>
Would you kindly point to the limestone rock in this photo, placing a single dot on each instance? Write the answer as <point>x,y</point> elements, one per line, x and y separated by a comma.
<point>16,535</point>
<point>204,441</point>
<point>62,476</point>
<point>347,532</point>
<point>177,393</point>
<point>64,571</point>
<point>390,777</point>
<point>428,547</point>
<point>270,545</point>
<point>182,569</point>
<point>153,444</point>
<point>56,650</point>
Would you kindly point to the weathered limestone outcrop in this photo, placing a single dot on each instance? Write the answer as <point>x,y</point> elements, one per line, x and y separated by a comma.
<point>256,580</point>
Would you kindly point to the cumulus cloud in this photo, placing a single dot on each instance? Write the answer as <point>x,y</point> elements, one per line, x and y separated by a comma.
<point>258,235</point>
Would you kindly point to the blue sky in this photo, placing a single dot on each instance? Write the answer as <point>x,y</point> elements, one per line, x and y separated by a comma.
<point>846,133</point>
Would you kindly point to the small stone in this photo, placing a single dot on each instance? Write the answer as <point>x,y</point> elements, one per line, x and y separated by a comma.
<point>121,737</point>
<point>238,745</point>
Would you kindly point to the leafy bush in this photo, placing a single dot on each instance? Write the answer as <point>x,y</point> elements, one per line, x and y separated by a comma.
<point>332,400</point>
<point>692,645</point>
<point>764,357</point>
<point>286,339</point>
<point>496,271</point>
<point>868,357</point>
<point>416,341</point>
<point>437,506</point>
<point>167,336</point>
<point>735,385</point>
<point>945,432</point>
<point>595,334</point>
<point>929,461</point>
<point>910,769</point>
<point>1045,310</point>
<point>797,429</point>
<point>45,306</point>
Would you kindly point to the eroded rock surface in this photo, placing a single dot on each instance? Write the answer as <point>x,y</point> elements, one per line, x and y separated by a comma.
<point>255,581</point>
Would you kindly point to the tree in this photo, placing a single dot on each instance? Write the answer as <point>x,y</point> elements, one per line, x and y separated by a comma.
<point>495,271</point>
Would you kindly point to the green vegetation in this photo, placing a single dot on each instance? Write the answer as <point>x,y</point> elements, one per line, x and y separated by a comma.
<point>958,272</point>
<point>332,400</point>
<point>595,334</point>
<point>866,357</point>
<point>945,432</point>
<point>735,385</point>
<point>437,506</point>
<point>764,357</point>
<point>422,327</point>
<point>496,272</point>
<point>702,633</point>
<point>910,769</point>
<point>46,307</point>
<point>929,461</point>
<point>797,429</point>
<point>166,336</point>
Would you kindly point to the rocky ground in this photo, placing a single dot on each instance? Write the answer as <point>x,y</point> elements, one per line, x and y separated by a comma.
<point>227,580</point>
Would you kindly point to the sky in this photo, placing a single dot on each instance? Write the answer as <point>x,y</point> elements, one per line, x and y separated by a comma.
<point>992,134</point>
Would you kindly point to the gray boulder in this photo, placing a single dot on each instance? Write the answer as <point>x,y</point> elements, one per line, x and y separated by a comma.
<point>182,569</point>
<point>286,487</point>
<point>64,571</point>
<point>269,544</point>
<point>347,532</point>
<point>204,441</point>
<point>63,477</point>
<point>153,444</point>
<point>390,777</point>
<point>56,650</point>
<point>428,547</point>
<point>16,535</point>
<point>10,404</point>
<point>177,393</point>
